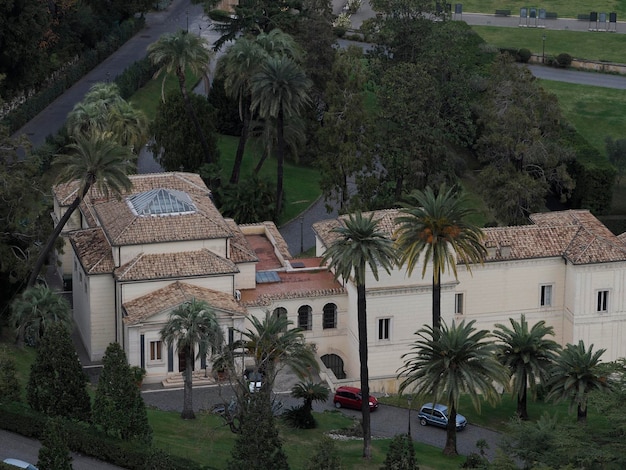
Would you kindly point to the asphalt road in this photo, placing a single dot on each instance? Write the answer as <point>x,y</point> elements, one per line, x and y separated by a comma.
<point>22,448</point>
<point>386,422</point>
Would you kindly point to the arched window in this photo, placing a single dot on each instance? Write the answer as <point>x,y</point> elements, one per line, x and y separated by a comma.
<point>280,312</point>
<point>305,318</point>
<point>334,363</point>
<point>330,316</point>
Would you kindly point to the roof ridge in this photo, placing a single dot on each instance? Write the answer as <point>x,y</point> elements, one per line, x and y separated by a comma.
<point>131,264</point>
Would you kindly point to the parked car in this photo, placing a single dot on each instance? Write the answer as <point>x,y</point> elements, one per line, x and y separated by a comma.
<point>350,397</point>
<point>19,464</point>
<point>437,415</point>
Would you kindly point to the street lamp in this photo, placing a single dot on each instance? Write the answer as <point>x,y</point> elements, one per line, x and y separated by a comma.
<point>409,399</point>
<point>187,13</point>
<point>543,48</point>
<point>301,234</point>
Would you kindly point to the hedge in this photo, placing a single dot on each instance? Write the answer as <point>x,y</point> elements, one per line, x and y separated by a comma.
<point>88,61</point>
<point>87,440</point>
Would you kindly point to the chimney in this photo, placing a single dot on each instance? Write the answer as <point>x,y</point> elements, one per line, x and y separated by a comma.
<point>491,248</point>
<point>505,249</point>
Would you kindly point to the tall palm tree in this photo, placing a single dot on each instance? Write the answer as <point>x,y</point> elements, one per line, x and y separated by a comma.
<point>575,374</point>
<point>280,89</point>
<point>192,325</point>
<point>103,109</point>
<point>361,244</point>
<point>35,310</point>
<point>447,362</point>
<point>238,65</point>
<point>94,160</point>
<point>528,355</point>
<point>176,53</point>
<point>436,227</point>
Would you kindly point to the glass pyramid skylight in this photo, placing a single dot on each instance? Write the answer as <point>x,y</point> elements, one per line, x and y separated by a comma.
<point>161,202</point>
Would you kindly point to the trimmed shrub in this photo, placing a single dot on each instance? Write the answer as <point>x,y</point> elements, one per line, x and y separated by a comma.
<point>524,55</point>
<point>563,60</point>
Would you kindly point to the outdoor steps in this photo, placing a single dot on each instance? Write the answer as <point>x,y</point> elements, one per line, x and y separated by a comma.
<point>175,380</point>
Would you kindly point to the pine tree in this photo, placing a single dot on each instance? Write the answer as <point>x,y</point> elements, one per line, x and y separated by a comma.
<point>57,383</point>
<point>119,407</point>
<point>258,445</point>
<point>9,385</point>
<point>401,454</point>
<point>54,453</point>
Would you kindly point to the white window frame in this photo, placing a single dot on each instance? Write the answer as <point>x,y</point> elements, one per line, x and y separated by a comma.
<point>384,329</point>
<point>543,290</point>
<point>155,346</point>
<point>602,299</point>
<point>459,303</point>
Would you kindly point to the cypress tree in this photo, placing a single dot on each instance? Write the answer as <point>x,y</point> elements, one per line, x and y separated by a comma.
<point>9,385</point>
<point>57,383</point>
<point>258,446</point>
<point>119,407</point>
<point>54,453</point>
<point>401,454</point>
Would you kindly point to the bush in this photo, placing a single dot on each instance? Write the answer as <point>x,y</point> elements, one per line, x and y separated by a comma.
<point>563,60</point>
<point>297,417</point>
<point>524,55</point>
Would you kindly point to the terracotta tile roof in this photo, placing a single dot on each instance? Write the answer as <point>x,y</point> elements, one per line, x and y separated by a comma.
<point>575,235</point>
<point>386,224</point>
<point>175,265</point>
<point>93,250</point>
<point>123,227</point>
<point>240,249</point>
<point>293,284</point>
<point>171,296</point>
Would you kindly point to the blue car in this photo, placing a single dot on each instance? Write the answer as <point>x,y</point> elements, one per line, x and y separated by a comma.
<point>437,415</point>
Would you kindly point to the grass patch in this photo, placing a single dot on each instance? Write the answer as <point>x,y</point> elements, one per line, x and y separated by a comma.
<point>301,184</point>
<point>207,441</point>
<point>496,417</point>
<point>564,8</point>
<point>580,44</point>
<point>596,112</point>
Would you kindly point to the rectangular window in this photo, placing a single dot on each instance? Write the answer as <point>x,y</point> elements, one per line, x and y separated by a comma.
<point>156,348</point>
<point>384,325</point>
<point>546,296</point>
<point>603,301</point>
<point>458,304</point>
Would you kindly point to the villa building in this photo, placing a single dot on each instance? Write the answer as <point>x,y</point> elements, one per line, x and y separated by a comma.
<point>134,259</point>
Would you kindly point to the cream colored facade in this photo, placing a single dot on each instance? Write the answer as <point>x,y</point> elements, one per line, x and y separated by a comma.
<point>131,265</point>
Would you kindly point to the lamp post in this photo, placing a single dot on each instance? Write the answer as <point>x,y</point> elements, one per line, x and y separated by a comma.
<point>187,13</point>
<point>543,48</point>
<point>409,399</point>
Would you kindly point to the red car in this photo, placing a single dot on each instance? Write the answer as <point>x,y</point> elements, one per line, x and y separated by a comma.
<point>350,397</point>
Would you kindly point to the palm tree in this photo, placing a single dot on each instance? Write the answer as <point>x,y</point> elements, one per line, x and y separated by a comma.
<point>575,374</point>
<point>94,160</point>
<point>176,53</point>
<point>528,355</point>
<point>35,310</point>
<point>447,362</point>
<point>273,344</point>
<point>192,325</point>
<point>238,65</point>
<point>103,109</point>
<point>360,244</point>
<point>309,392</point>
<point>436,227</point>
<point>279,90</point>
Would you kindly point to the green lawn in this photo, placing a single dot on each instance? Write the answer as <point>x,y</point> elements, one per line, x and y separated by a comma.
<point>579,44</point>
<point>496,417</point>
<point>564,8</point>
<point>207,441</point>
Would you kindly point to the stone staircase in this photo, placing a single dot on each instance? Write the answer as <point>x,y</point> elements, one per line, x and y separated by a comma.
<point>175,379</point>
